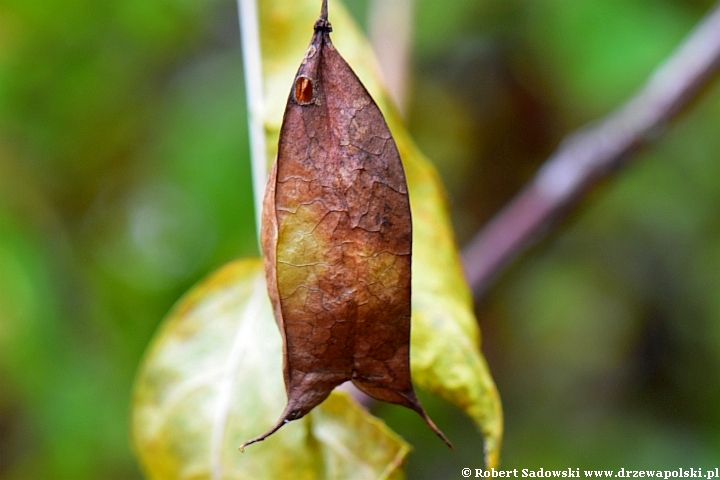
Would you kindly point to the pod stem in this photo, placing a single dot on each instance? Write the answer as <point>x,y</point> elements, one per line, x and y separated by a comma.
<point>324,11</point>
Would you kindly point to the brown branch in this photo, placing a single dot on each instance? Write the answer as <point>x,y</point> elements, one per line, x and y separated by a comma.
<point>592,153</point>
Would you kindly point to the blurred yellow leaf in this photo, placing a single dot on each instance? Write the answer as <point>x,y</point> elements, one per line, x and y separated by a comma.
<point>445,355</point>
<point>213,378</point>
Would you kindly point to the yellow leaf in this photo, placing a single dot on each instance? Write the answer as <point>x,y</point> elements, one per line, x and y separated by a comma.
<point>213,378</point>
<point>444,352</point>
<point>445,355</point>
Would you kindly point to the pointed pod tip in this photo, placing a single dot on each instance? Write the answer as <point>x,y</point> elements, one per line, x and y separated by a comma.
<point>241,448</point>
<point>258,439</point>
<point>262,437</point>
<point>444,438</point>
<point>280,422</point>
<point>435,429</point>
<point>447,442</point>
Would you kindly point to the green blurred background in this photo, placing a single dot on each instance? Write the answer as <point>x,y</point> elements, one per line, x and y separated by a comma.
<point>124,178</point>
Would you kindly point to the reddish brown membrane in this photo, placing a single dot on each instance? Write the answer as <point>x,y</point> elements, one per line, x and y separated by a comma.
<point>337,240</point>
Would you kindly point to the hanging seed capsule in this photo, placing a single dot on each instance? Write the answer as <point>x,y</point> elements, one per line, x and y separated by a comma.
<point>337,240</point>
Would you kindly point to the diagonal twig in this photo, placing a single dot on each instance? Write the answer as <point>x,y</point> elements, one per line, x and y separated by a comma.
<point>593,152</point>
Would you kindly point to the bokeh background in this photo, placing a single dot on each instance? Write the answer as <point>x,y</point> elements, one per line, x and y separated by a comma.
<point>124,179</point>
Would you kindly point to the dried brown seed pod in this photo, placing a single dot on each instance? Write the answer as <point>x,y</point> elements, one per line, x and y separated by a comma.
<point>337,240</point>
